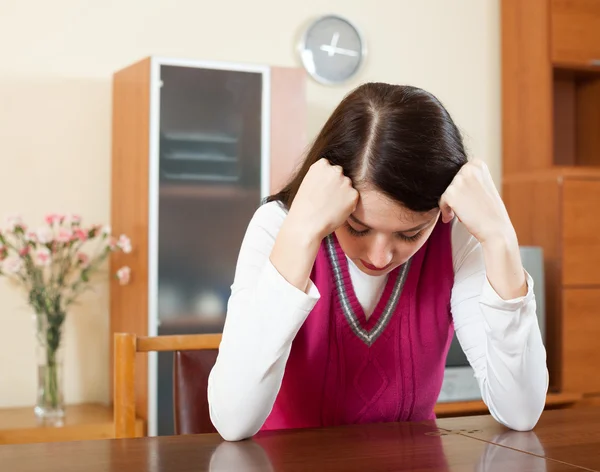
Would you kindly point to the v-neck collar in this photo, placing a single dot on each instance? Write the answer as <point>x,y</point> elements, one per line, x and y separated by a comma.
<point>368,330</point>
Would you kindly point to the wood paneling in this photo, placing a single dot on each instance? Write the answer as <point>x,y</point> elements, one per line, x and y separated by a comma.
<point>588,121</point>
<point>129,208</point>
<point>581,335</point>
<point>288,123</point>
<point>533,205</point>
<point>581,233</point>
<point>575,31</point>
<point>526,86</point>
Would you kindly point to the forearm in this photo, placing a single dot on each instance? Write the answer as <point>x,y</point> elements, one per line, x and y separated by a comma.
<point>503,265</point>
<point>516,379</point>
<point>294,252</point>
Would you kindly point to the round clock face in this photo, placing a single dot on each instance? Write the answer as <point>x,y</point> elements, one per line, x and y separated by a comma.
<point>332,50</point>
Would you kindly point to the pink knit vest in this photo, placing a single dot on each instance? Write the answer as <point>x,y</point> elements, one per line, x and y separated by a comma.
<point>344,369</point>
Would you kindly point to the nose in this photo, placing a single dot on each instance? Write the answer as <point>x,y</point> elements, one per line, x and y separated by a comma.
<point>381,253</point>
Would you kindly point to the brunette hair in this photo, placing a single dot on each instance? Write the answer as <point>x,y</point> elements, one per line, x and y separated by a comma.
<point>397,138</point>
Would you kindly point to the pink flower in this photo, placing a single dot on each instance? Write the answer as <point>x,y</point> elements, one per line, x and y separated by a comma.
<point>112,243</point>
<point>124,274</point>
<point>12,264</point>
<point>83,259</point>
<point>24,251</point>
<point>125,244</point>
<point>3,252</point>
<point>42,256</point>
<point>31,236</point>
<point>64,235</point>
<point>81,234</point>
<point>45,235</point>
<point>54,218</point>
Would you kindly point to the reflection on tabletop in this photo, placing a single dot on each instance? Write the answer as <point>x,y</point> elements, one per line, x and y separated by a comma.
<point>380,447</point>
<point>494,458</point>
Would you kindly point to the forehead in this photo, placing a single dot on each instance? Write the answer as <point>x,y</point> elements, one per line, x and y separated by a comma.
<point>382,213</point>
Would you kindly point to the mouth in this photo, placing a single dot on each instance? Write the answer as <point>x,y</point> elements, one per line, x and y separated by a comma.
<point>374,268</point>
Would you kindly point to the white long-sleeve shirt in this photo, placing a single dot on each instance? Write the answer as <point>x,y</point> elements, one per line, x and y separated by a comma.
<point>501,338</point>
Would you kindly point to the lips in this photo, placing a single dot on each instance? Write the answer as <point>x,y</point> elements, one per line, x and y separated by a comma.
<point>374,268</point>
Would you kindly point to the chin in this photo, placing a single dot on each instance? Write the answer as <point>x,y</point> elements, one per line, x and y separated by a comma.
<point>368,271</point>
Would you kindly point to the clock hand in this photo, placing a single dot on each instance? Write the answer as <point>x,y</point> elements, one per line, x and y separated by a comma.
<point>346,52</point>
<point>331,50</point>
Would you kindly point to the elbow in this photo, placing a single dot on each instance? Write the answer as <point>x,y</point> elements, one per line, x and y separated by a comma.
<point>523,423</point>
<point>229,425</point>
<point>231,433</point>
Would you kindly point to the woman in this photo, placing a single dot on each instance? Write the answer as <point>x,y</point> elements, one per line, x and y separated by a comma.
<point>351,281</point>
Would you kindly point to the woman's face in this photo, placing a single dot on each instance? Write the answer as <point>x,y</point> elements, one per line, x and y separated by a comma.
<point>382,234</point>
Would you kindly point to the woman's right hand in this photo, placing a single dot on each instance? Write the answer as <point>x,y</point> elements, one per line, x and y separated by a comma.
<point>325,199</point>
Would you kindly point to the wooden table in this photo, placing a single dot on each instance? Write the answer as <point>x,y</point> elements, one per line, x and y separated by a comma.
<point>462,444</point>
<point>82,422</point>
<point>570,436</point>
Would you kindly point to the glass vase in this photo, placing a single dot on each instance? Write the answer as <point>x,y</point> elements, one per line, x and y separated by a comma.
<point>49,407</point>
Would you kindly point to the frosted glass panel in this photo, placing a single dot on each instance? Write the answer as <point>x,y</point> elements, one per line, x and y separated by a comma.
<point>210,169</point>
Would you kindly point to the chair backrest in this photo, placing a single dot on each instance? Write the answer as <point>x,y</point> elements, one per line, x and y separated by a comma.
<point>195,354</point>
<point>190,381</point>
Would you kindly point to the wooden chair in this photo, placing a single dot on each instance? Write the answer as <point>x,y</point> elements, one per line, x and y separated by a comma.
<point>194,357</point>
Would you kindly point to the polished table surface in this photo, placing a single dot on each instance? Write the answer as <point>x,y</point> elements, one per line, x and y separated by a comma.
<point>571,436</point>
<point>564,440</point>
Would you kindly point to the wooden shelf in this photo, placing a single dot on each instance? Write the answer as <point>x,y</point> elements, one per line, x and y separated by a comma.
<point>226,191</point>
<point>578,68</point>
<point>553,400</point>
<point>82,422</point>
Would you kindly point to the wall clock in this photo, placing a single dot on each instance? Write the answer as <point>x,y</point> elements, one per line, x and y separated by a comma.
<point>332,50</point>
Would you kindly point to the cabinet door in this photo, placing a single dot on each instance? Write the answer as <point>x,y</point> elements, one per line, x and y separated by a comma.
<point>580,334</point>
<point>581,232</point>
<point>211,168</point>
<point>576,32</point>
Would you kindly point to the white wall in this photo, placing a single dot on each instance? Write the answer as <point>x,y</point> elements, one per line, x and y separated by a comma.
<point>55,102</point>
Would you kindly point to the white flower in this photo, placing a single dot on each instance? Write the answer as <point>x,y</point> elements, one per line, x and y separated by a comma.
<point>106,230</point>
<point>13,221</point>
<point>42,256</point>
<point>124,243</point>
<point>12,264</point>
<point>73,219</point>
<point>44,235</point>
<point>124,274</point>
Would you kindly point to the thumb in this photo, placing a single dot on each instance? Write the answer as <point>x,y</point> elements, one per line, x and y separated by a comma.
<point>447,212</point>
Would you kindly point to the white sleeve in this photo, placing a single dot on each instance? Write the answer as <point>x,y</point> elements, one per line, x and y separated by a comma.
<point>501,338</point>
<point>264,313</point>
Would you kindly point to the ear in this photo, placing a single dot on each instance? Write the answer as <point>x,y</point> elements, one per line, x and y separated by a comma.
<point>447,212</point>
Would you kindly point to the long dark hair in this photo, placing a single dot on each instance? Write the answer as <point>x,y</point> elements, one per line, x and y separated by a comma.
<point>396,138</point>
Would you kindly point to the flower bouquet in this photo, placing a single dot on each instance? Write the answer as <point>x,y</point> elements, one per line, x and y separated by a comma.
<point>54,264</point>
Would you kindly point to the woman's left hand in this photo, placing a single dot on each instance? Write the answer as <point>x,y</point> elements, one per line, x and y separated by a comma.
<point>473,198</point>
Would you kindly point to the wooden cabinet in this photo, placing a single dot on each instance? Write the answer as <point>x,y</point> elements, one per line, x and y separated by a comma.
<point>575,32</point>
<point>581,233</point>
<point>551,168</point>
<point>196,147</point>
<point>557,211</point>
<point>580,339</point>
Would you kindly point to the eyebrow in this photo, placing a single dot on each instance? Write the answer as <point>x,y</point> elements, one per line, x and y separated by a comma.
<point>416,228</point>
